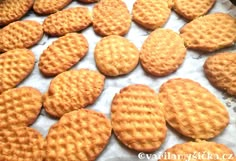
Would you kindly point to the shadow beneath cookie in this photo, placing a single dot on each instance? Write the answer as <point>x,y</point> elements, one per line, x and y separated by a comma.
<point>205,53</point>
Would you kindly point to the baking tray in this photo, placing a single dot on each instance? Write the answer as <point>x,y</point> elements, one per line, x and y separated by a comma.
<point>191,68</point>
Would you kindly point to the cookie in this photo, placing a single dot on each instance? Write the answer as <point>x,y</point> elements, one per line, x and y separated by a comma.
<point>111,18</point>
<point>192,110</point>
<point>12,10</point>
<point>201,151</point>
<point>20,34</point>
<point>21,143</point>
<point>79,135</point>
<point>45,7</point>
<point>15,66</point>
<point>115,55</point>
<point>62,54</point>
<point>72,90</point>
<point>193,9</point>
<point>138,119</point>
<point>151,14</point>
<point>19,107</point>
<point>220,70</point>
<point>210,33</point>
<point>162,52</point>
<point>88,1</point>
<point>66,21</point>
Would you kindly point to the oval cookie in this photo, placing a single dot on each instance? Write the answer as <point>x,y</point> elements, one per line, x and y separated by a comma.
<point>194,8</point>
<point>138,119</point>
<point>49,6</point>
<point>20,34</point>
<point>111,18</point>
<point>210,32</point>
<point>151,14</point>
<point>192,110</point>
<point>66,21</point>
<point>12,10</point>
<point>220,70</point>
<point>62,54</point>
<point>19,107</point>
<point>72,90</point>
<point>78,135</point>
<point>15,66</point>
<point>115,55</point>
<point>200,151</point>
<point>162,52</point>
<point>21,143</point>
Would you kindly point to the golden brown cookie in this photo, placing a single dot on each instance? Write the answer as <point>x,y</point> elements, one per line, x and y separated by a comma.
<point>220,70</point>
<point>20,34</point>
<point>21,143</point>
<point>72,90</point>
<point>194,8</point>
<point>192,110</point>
<point>12,10</point>
<point>19,107</point>
<point>210,32</point>
<point>111,18</point>
<point>201,151</point>
<point>63,53</point>
<point>138,119</point>
<point>162,52</point>
<point>45,7</point>
<point>115,55</point>
<point>15,66</point>
<point>151,14</point>
<point>79,135</point>
<point>66,21</point>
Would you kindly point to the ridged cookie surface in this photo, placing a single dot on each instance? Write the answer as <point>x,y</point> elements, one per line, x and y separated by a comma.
<point>79,135</point>
<point>200,151</point>
<point>21,144</point>
<point>49,6</point>
<point>20,34</point>
<point>15,66</point>
<point>19,107</point>
<point>138,119</point>
<point>194,8</point>
<point>111,18</point>
<point>115,55</point>
<point>220,69</point>
<point>62,54</point>
<point>162,52</point>
<point>151,14</point>
<point>210,32</point>
<point>12,10</point>
<point>72,90</point>
<point>66,21</point>
<point>192,110</point>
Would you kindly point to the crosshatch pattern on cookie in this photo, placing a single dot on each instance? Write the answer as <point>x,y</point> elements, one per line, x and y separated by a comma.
<point>63,53</point>
<point>79,135</point>
<point>59,100</point>
<point>15,66</point>
<point>192,110</point>
<point>20,34</point>
<point>138,119</point>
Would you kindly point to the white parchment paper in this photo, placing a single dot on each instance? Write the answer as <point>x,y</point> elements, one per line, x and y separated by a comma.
<point>191,68</point>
